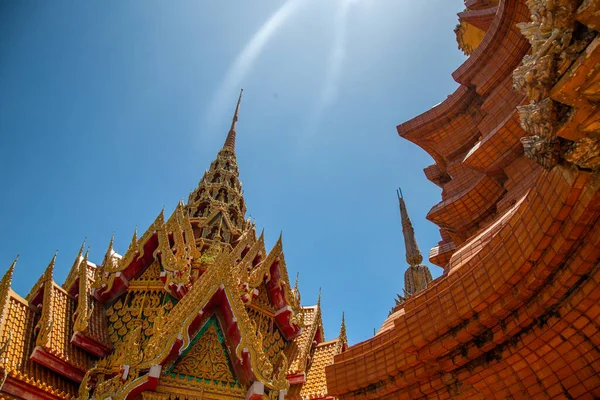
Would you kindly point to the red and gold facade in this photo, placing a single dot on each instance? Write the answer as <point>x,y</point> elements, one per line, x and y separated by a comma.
<point>516,312</point>
<point>198,309</point>
<point>195,309</point>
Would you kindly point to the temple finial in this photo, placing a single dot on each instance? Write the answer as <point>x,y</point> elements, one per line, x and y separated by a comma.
<point>7,278</point>
<point>319,300</point>
<point>413,254</point>
<point>134,239</point>
<point>343,336</point>
<point>230,141</point>
<point>109,252</point>
<point>49,272</point>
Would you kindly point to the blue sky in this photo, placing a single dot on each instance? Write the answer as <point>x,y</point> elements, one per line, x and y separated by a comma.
<point>110,110</point>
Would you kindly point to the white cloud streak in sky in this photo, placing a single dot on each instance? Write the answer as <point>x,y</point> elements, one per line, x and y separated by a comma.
<point>329,93</point>
<point>244,62</point>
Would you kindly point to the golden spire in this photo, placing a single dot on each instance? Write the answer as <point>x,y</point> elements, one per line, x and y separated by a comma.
<point>230,141</point>
<point>4,293</point>
<point>48,274</point>
<point>108,257</point>
<point>74,272</point>
<point>79,254</point>
<point>134,239</point>
<point>319,299</point>
<point>7,279</point>
<point>343,336</point>
<point>413,254</point>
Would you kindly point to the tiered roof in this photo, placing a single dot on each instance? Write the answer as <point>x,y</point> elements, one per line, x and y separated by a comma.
<point>200,280</point>
<point>520,244</point>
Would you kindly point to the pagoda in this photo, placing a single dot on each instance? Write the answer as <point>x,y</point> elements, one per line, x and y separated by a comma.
<point>516,152</point>
<point>196,308</point>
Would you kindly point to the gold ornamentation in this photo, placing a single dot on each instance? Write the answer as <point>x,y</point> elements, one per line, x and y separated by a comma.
<point>550,33</point>
<point>46,320</point>
<point>84,311</point>
<point>207,358</point>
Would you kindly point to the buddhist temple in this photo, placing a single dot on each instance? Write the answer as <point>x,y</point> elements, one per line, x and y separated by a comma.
<point>196,308</point>
<point>516,151</point>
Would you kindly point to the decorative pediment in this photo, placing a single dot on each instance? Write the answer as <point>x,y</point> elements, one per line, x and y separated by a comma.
<point>207,359</point>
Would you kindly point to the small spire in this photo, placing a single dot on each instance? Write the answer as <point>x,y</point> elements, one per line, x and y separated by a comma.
<point>49,272</point>
<point>296,285</point>
<point>134,239</point>
<point>413,254</point>
<point>109,252</point>
<point>230,141</point>
<point>343,336</point>
<point>83,266</point>
<point>7,278</point>
<point>81,248</point>
<point>319,299</point>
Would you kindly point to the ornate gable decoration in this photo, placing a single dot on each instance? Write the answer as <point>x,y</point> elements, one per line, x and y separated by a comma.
<point>207,358</point>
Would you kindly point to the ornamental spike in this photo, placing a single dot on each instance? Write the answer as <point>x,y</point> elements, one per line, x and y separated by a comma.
<point>343,336</point>
<point>413,254</point>
<point>319,299</point>
<point>230,140</point>
<point>134,239</point>
<point>7,278</point>
<point>49,272</point>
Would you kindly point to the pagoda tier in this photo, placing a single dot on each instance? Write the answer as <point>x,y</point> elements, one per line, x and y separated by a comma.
<point>474,134</point>
<point>516,153</point>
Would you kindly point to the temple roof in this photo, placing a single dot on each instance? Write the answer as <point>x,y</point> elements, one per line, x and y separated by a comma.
<point>302,344</point>
<point>316,384</point>
<point>19,337</point>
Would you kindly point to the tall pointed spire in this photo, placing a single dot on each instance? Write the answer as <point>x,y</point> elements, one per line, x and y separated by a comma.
<point>219,192</point>
<point>230,141</point>
<point>343,336</point>
<point>413,254</point>
<point>417,276</point>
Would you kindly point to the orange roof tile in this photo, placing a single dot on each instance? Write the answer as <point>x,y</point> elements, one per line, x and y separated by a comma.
<point>301,345</point>
<point>316,384</point>
<point>21,322</point>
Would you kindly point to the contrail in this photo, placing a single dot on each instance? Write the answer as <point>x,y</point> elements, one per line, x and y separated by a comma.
<point>243,63</point>
<point>329,92</point>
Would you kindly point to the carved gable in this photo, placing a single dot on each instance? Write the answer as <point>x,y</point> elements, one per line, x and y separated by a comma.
<point>207,357</point>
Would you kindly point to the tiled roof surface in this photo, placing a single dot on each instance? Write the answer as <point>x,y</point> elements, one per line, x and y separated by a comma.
<point>316,385</point>
<point>62,331</point>
<point>389,322</point>
<point>21,322</point>
<point>302,343</point>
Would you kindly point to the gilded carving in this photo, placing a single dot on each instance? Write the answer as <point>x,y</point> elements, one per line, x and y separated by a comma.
<point>207,357</point>
<point>553,49</point>
<point>205,255</point>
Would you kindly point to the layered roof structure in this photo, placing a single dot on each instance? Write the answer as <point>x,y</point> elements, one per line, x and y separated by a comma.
<point>195,305</point>
<point>516,154</point>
